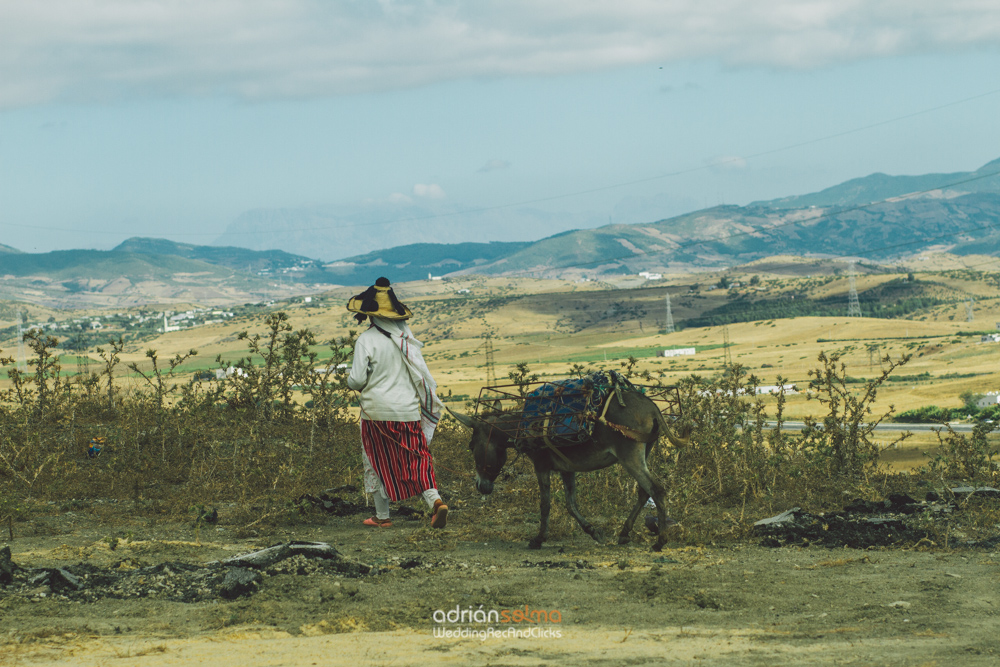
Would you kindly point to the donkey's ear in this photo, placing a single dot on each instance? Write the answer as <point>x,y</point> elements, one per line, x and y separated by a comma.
<point>465,420</point>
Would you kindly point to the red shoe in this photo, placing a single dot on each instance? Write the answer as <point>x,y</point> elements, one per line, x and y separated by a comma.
<point>439,519</point>
<point>376,522</point>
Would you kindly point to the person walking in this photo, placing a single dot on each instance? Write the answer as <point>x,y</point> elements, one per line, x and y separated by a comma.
<point>399,406</point>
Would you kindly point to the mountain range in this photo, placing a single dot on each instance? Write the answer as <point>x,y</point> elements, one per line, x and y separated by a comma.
<point>728,235</point>
<point>878,187</point>
<point>877,217</point>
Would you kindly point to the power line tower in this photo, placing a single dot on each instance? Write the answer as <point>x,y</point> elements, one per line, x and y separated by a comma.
<point>82,360</point>
<point>491,377</point>
<point>970,314</point>
<point>853,306</point>
<point>725,347</point>
<point>22,364</point>
<point>670,318</point>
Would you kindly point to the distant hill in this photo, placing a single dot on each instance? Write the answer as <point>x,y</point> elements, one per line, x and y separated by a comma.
<point>252,262</point>
<point>8,249</point>
<point>102,265</point>
<point>417,261</point>
<point>72,278</point>
<point>401,263</point>
<point>878,187</point>
<point>335,233</point>
<point>728,235</point>
<point>233,257</point>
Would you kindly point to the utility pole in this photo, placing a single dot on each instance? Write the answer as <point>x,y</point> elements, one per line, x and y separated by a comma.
<point>670,317</point>
<point>853,307</point>
<point>491,378</point>
<point>873,350</point>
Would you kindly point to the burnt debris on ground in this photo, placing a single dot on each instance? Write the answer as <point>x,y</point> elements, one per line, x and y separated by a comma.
<point>332,503</point>
<point>865,524</point>
<point>175,581</point>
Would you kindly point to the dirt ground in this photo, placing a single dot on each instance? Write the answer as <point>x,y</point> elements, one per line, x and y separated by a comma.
<point>733,604</point>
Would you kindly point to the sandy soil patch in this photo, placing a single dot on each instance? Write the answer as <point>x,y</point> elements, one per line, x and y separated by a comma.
<point>738,604</point>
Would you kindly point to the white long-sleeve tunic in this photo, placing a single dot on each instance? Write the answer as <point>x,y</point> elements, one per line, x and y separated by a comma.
<point>380,374</point>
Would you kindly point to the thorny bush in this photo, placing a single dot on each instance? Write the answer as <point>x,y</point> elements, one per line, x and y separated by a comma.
<point>743,456</point>
<point>274,428</point>
<point>968,457</point>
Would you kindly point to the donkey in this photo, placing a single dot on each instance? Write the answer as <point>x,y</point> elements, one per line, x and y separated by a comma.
<point>626,435</point>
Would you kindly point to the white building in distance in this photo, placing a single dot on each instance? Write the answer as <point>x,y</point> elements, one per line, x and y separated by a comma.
<point>679,352</point>
<point>773,390</point>
<point>223,373</point>
<point>776,389</point>
<point>990,399</point>
<point>169,327</point>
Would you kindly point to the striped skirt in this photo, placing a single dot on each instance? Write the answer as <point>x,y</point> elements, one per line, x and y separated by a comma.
<point>398,453</point>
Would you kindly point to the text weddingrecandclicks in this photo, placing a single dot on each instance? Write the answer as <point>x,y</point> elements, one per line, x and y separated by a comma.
<point>490,632</point>
<point>519,623</point>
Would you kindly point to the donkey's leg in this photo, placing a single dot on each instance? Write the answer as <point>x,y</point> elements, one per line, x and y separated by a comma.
<point>545,504</point>
<point>569,482</point>
<point>625,536</point>
<point>635,464</point>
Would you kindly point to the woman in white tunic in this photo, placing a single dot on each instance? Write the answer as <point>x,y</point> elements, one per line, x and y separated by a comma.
<point>399,406</point>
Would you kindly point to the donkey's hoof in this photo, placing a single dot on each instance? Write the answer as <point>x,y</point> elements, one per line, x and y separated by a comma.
<point>597,535</point>
<point>658,546</point>
<point>624,539</point>
<point>535,544</point>
<point>653,524</point>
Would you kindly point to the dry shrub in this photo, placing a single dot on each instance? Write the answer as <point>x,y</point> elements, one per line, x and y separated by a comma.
<point>739,466</point>
<point>968,457</point>
<point>276,429</point>
<point>170,444</point>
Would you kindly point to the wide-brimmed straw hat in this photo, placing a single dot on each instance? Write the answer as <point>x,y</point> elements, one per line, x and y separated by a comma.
<point>380,301</point>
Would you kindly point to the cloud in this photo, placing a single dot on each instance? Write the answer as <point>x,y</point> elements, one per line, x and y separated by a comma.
<point>494,165</point>
<point>431,191</point>
<point>85,50</point>
<point>727,163</point>
<point>399,198</point>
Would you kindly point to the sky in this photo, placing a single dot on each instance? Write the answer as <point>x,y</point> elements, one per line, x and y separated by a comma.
<point>172,118</point>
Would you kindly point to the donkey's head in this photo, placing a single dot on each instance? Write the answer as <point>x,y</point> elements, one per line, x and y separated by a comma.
<point>489,449</point>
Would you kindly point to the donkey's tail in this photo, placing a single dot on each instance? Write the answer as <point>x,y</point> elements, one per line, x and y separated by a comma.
<point>680,439</point>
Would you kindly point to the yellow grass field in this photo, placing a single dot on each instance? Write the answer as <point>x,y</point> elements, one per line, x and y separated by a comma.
<point>552,325</point>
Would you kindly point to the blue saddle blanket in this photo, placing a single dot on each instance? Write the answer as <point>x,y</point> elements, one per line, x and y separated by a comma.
<point>565,411</point>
